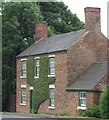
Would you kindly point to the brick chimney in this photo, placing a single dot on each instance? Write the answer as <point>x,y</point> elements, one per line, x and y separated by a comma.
<point>92,19</point>
<point>41,30</point>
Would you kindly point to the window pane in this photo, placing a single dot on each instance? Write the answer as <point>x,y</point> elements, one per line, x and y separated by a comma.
<point>23,68</point>
<point>52,96</point>
<point>52,66</point>
<point>52,71</point>
<point>37,62</point>
<point>23,95</point>
<point>37,68</point>
<point>52,102</point>
<point>83,102</point>
<point>82,99</point>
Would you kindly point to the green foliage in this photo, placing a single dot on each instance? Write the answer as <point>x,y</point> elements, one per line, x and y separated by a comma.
<point>18,21</point>
<point>92,111</point>
<point>104,103</point>
<point>41,84</point>
<point>63,113</point>
<point>60,18</point>
<point>30,71</point>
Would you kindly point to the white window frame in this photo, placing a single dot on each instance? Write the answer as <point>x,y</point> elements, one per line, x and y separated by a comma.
<point>23,102</point>
<point>50,106</point>
<point>37,75</point>
<point>81,97</point>
<point>23,75</point>
<point>49,74</point>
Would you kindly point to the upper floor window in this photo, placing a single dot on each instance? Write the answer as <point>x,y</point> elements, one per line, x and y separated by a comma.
<point>23,68</point>
<point>37,67</point>
<point>82,99</point>
<point>52,66</point>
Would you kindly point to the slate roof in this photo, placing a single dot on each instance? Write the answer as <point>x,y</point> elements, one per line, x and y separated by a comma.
<point>53,44</point>
<point>91,77</point>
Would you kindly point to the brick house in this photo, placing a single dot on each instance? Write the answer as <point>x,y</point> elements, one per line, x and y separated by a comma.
<point>77,60</point>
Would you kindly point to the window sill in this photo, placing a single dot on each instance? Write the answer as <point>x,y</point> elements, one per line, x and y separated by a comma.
<point>22,76</point>
<point>81,108</point>
<point>51,107</point>
<point>51,75</point>
<point>24,104</point>
<point>36,77</point>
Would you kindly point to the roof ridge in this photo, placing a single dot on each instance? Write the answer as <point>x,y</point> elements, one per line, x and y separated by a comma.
<point>58,35</point>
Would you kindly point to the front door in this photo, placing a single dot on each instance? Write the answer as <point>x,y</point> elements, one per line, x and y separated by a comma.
<point>31,101</point>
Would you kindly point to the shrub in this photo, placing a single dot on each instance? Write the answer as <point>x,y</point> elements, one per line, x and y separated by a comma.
<point>92,111</point>
<point>104,103</point>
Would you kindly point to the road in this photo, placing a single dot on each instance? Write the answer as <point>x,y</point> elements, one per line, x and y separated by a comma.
<point>20,117</point>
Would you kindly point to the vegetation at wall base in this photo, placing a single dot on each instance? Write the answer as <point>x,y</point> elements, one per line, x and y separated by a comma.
<point>41,84</point>
<point>92,111</point>
<point>104,103</point>
<point>62,113</point>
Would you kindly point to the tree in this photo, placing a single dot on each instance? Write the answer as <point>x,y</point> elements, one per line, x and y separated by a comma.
<point>18,21</point>
<point>104,103</point>
<point>60,17</point>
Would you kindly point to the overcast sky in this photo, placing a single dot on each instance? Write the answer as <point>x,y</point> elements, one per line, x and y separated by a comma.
<point>77,7</point>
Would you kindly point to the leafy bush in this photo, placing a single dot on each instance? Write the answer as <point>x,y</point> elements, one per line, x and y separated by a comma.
<point>92,111</point>
<point>104,103</point>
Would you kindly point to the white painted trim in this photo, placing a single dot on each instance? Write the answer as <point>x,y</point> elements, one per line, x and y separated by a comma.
<point>36,77</point>
<point>81,108</point>
<point>22,76</point>
<point>51,75</point>
<point>51,56</point>
<point>51,107</point>
<point>22,103</point>
<point>36,57</point>
<point>31,88</point>
<point>23,59</point>
<point>51,86</point>
<point>23,86</point>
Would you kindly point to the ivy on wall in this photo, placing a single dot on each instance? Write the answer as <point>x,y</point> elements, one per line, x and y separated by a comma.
<point>41,84</point>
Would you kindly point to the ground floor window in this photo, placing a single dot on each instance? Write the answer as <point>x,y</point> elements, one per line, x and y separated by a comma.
<point>82,99</point>
<point>51,96</point>
<point>23,95</point>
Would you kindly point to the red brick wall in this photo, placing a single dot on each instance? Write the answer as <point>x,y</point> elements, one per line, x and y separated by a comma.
<point>20,81</point>
<point>85,52</point>
<point>80,56</point>
<point>92,98</point>
<point>60,86</point>
<point>72,102</point>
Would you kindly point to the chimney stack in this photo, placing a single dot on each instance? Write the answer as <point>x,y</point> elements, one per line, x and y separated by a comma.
<point>41,30</point>
<point>92,19</point>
